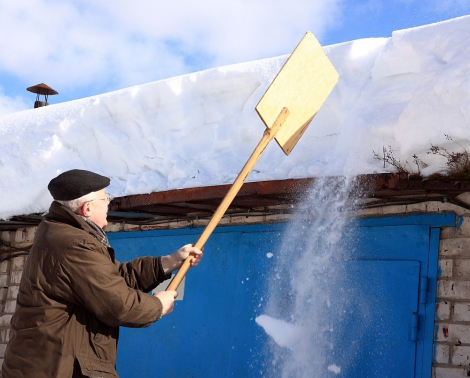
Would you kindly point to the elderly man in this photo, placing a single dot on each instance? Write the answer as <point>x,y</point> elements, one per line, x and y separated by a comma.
<point>74,295</point>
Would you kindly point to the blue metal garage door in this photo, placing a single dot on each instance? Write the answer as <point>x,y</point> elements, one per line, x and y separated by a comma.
<point>375,335</point>
<point>212,332</point>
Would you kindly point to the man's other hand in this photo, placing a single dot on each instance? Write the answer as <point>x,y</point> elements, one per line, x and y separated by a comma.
<point>174,261</point>
<point>186,250</point>
<point>168,300</point>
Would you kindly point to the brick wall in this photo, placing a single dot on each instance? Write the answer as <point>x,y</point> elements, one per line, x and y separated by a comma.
<point>10,276</point>
<point>452,327</point>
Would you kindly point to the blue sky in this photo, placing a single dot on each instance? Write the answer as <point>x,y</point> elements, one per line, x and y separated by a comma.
<point>83,48</point>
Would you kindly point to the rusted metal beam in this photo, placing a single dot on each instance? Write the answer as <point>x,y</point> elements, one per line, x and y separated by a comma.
<point>157,209</point>
<point>196,205</point>
<point>434,185</point>
<point>271,193</point>
<point>211,193</point>
<point>380,181</point>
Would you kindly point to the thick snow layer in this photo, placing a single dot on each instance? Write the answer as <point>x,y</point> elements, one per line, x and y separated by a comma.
<point>197,130</point>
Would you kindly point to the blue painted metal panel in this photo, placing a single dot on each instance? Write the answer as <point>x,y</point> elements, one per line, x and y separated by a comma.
<point>432,220</point>
<point>379,299</point>
<point>405,242</point>
<point>212,332</point>
<point>428,309</point>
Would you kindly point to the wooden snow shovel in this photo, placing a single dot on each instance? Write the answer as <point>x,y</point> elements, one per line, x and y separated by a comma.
<point>287,108</point>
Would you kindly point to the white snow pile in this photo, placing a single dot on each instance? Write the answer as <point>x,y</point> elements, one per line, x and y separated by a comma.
<point>198,130</point>
<point>284,334</point>
<point>334,369</point>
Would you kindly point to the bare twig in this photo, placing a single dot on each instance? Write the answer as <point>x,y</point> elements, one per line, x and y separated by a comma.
<point>388,158</point>
<point>457,162</point>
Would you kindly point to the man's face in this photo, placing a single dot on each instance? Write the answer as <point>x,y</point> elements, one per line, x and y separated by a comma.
<point>98,208</point>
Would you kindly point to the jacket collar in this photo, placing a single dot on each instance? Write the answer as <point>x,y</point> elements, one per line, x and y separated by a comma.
<point>62,214</point>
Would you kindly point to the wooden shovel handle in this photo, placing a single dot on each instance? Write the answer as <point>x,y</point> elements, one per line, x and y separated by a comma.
<point>268,135</point>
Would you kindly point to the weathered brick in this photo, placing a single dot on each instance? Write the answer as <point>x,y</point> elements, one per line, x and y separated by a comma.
<point>462,312</point>
<point>151,227</point>
<point>448,232</point>
<point>461,355</point>
<point>453,289</point>
<point>17,263</point>
<point>15,276</point>
<point>278,217</point>
<point>2,349</point>
<point>441,353</point>
<point>368,212</point>
<point>113,227</point>
<point>5,320</point>
<point>394,209</point>
<point>4,266</point>
<point>459,232</point>
<point>414,207</point>
<point>154,227</point>
<point>3,294</point>
<point>245,219</point>
<point>462,268</point>
<point>257,219</point>
<point>13,292</point>
<point>443,372</point>
<point>3,280</point>
<point>223,221</point>
<point>444,269</point>
<point>464,229</point>
<point>30,233</point>
<point>131,227</point>
<point>4,335</point>
<point>443,310</point>
<point>20,235</point>
<point>453,333</point>
<point>8,236</point>
<point>455,247</point>
<point>10,306</point>
<point>435,206</point>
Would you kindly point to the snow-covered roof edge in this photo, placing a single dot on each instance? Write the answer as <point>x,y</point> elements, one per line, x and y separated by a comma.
<point>197,130</point>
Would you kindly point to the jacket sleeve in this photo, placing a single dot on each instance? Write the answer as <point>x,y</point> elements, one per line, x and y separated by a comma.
<point>143,273</point>
<point>88,278</point>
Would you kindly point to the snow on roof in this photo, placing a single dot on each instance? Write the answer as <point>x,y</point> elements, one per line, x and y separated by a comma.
<point>198,130</point>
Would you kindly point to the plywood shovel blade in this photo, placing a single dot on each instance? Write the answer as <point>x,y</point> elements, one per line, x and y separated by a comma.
<point>302,86</point>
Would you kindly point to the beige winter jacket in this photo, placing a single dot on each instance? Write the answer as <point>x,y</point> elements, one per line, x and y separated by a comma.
<point>73,296</point>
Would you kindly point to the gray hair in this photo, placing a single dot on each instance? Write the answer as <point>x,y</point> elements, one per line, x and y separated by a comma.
<point>76,204</point>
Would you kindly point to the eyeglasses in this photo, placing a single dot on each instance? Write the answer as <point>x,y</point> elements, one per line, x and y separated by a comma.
<point>107,198</point>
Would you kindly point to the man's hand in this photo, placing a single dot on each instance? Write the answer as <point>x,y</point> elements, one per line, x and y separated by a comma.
<point>168,300</point>
<point>174,261</point>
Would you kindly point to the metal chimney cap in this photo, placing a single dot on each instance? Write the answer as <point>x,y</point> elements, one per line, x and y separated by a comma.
<point>42,89</point>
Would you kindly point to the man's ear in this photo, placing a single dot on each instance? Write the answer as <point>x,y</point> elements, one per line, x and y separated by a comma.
<point>85,209</point>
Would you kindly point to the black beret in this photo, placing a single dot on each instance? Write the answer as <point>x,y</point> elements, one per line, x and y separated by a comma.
<point>76,183</point>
